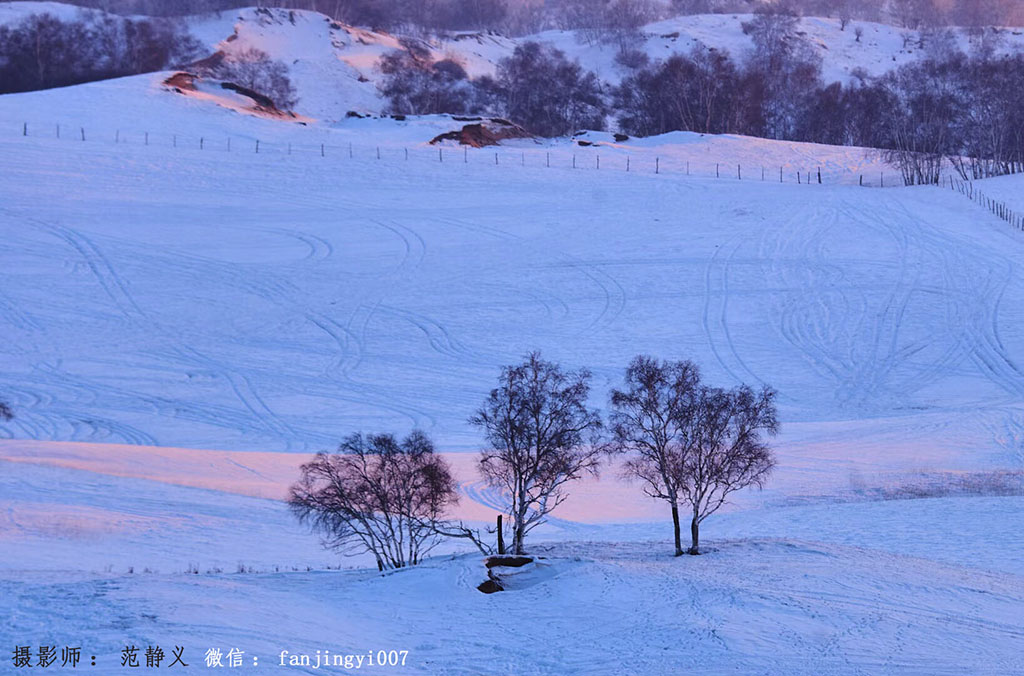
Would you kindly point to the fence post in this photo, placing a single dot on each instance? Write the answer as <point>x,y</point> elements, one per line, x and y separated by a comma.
<point>147,141</point>
<point>780,174</point>
<point>465,154</point>
<point>495,159</point>
<point>440,154</point>
<point>739,173</point>
<point>657,165</point>
<point>599,162</point>
<point>547,159</point>
<point>24,129</point>
<point>762,173</point>
<point>717,175</point>
<point>289,148</point>
<point>819,175</point>
<point>406,154</point>
<point>58,131</point>
<point>378,152</point>
<point>229,144</point>
<point>202,142</point>
<point>687,167</point>
<point>522,159</point>
<point>501,538</point>
<point>350,150</point>
<point>627,164</point>
<point>574,160</point>
<point>324,154</point>
<point>117,136</point>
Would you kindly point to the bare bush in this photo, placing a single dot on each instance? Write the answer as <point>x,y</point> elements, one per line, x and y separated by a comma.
<point>5,411</point>
<point>546,93</point>
<point>415,84</point>
<point>255,70</point>
<point>377,495</point>
<point>694,92</point>
<point>541,435</point>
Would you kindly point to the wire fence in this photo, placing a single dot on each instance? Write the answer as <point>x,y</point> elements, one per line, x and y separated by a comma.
<point>582,156</point>
<point>998,208</point>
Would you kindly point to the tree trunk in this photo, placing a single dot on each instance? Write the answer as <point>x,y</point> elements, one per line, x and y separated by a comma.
<point>518,535</point>
<point>694,537</point>
<point>675,524</point>
<point>501,538</point>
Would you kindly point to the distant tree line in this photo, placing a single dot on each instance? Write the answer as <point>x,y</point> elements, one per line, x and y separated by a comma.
<point>687,443</point>
<point>43,51</point>
<point>596,19</point>
<point>965,109</point>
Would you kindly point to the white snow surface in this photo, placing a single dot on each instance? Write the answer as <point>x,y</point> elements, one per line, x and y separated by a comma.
<point>183,327</point>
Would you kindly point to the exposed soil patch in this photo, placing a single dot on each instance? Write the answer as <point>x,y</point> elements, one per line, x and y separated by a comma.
<point>484,133</point>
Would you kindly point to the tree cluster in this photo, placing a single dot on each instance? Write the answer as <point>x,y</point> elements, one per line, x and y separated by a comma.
<point>537,87</point>
<point>967,110</point>
<point>689,444</point>
<point>417,84</point>
<point>42,51</point>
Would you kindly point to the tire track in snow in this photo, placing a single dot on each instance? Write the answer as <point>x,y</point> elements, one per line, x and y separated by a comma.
<point>118,292</point>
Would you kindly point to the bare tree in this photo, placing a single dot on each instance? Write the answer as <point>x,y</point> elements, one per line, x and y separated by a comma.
<point>729,452</point>
<point>541,436</point>
<point>5,411</point>
<point>255,70</point>
<point>624,20</point>
<point>377,495</point>
<point>648,423</point>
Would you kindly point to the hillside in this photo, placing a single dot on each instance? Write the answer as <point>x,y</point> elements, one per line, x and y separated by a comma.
<point>334,66</point>
<point>327,61</point>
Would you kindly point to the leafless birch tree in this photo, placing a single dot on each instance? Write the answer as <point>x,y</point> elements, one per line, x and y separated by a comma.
<point>729,451</point>
<point>648,422</point>
<point>541,435</point>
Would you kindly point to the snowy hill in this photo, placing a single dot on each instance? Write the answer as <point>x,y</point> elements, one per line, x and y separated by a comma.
<point>334,66</point>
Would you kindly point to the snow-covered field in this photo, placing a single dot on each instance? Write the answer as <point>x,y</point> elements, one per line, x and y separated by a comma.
<point>204,320</point>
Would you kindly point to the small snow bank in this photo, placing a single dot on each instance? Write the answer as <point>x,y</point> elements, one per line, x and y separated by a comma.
<point>516,573</point>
